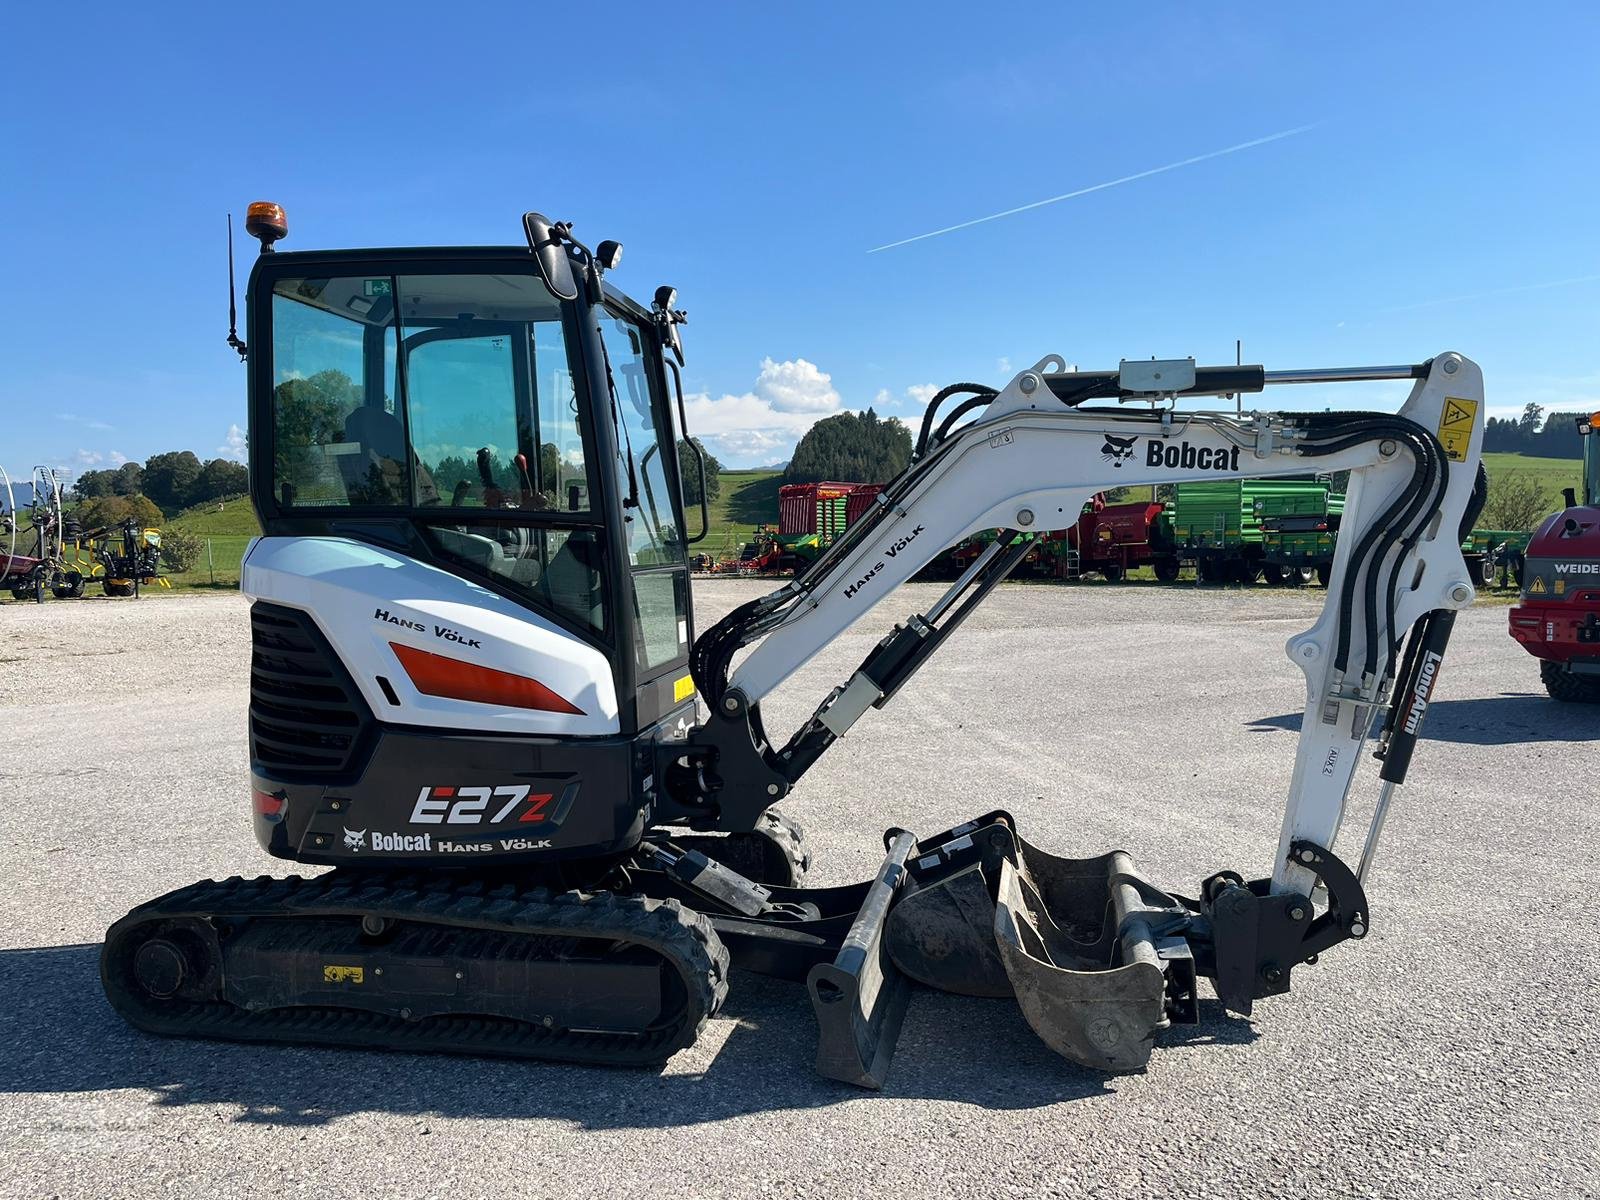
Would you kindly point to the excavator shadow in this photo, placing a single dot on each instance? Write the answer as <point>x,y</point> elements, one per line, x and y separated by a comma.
<point>756,1057</point>
<point>1487,721</point>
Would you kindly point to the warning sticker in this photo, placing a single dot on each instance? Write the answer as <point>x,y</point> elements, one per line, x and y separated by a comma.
<point>683,688</point>
<point>1455,427</point>
<point>1538,588</point>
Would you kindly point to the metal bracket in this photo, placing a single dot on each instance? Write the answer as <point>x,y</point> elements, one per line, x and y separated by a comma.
<point>1258,937</point>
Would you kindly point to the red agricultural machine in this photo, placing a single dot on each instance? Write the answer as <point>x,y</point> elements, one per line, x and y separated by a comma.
<point>1558,620</point>
<point>1114,539</point>
<point>810,517</point>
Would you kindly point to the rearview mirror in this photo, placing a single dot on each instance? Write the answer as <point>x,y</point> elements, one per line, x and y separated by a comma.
<point>550,255</point>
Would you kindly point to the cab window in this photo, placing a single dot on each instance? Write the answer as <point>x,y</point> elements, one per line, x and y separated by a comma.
<point>425,391</point>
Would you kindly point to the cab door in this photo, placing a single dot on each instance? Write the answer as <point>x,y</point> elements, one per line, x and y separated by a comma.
<point>655,564</point>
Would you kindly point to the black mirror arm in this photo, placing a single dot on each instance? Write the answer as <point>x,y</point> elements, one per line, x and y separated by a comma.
<point>699,458</point>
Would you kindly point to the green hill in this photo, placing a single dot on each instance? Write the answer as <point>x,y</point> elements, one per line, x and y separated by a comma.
<point>748,499</point>
<point>230,516</point>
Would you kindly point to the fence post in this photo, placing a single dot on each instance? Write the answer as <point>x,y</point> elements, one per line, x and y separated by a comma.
<point>211,563</point>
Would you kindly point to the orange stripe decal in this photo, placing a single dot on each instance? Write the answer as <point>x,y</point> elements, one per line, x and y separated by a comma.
<point>440,675</point>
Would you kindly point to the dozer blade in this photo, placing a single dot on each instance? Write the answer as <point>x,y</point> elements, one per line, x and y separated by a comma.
<point>860,997</point>
<point>1079,942</point>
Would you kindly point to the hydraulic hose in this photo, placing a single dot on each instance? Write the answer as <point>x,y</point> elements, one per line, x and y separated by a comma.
<point>979,391</point>
<point>1400,524</point>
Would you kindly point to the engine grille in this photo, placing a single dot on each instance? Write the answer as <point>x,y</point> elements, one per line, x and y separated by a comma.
<point>306,716</point>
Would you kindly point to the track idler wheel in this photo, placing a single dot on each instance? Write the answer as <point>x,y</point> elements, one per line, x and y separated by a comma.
<point>160,968</point>
<point>775,854</point>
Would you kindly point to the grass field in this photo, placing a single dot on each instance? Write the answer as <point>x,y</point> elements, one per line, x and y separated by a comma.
<point>1553,474</point>
<point>234,518</point>
<point>748,499</point>
<point>227,526</point>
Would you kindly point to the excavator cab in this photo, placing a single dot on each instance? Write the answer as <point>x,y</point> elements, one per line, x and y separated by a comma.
<point>479,476</point>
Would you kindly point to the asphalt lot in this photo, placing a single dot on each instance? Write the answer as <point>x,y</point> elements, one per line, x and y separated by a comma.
<point>1452,1053</point>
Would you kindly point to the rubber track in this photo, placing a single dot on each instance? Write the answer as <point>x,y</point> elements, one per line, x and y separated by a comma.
<point>682,937</point>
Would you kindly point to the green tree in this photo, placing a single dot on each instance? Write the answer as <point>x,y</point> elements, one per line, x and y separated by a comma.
<point>181,551</point>
<point>109,512</point>
<point>170,478</point>
<point>690,471</point>
<point>1532,421</point>
<point>1517,500</point>
<point>129,480</point>
<point>851,448</point>
<point>220,477</point>
<point>93,484</point>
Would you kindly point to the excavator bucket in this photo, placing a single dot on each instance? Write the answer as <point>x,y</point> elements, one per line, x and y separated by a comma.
<point>1083,945</point>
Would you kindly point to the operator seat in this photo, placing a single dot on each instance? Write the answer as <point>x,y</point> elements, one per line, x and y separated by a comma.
<point>374,473</point>
<point>572,580</point>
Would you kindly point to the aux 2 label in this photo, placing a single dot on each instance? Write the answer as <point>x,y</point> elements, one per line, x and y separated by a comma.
<point>470,805</point>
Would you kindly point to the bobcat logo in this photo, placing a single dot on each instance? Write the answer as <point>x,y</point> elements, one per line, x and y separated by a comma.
<point>355,839</point>
<point>1117,450</point>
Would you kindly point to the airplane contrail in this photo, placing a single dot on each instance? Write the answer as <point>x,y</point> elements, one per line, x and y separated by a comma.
<point>1100,187</point>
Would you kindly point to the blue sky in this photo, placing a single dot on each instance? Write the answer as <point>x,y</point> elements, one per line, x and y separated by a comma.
<point>1444,195</point>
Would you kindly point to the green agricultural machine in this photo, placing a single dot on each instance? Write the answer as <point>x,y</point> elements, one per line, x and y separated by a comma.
<point>1236,531</point>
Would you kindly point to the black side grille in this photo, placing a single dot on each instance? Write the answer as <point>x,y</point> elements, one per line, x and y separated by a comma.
<point>306,716</point>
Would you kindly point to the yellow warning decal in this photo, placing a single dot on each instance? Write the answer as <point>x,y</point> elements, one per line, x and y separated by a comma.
<point>1561,586</point>
<point>683,688</point>
<point>1538,588</point>
<point>1455,427</point>
<point>339,974</point>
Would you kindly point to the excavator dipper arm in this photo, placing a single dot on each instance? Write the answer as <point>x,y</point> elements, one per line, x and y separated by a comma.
<point>1028,461</point>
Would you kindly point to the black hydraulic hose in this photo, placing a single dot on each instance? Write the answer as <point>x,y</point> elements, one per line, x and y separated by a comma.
<point>957,413</point>
<point>1413,524</point>
<point>1338,432</point>
<point>955,389</point>
<point>1359,557</point>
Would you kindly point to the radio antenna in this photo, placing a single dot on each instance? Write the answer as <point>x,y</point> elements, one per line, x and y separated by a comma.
<point>233,307</point>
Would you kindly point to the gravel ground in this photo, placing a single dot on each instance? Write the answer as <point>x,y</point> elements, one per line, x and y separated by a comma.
<point>1452,1053</point>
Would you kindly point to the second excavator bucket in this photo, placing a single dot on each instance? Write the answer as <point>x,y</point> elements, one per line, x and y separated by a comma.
<point>1087,947</point>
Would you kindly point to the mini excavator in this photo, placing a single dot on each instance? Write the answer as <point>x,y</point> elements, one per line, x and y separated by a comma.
<point>477,695</point>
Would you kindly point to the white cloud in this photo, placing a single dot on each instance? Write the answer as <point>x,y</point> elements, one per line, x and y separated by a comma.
<point>796,386</point>
<point>94,460</point>
<point>1003,365</point>
<point>761,426</point>
<point>235,445</point>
